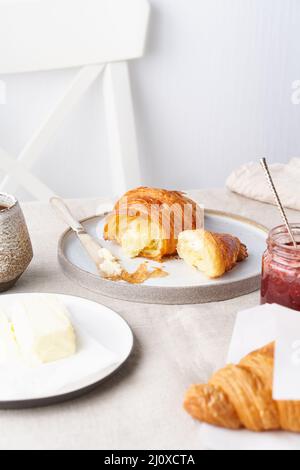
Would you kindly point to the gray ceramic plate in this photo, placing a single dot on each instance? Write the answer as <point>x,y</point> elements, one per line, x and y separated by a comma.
<point>184,285</point>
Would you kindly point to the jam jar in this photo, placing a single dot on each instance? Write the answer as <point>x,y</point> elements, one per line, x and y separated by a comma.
<point>281,269</point>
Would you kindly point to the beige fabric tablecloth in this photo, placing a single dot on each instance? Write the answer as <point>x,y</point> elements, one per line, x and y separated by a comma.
<point>140,407</point>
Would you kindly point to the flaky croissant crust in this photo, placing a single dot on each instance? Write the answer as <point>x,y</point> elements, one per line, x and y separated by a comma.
<point>240,396</point>
<point>212,253</point>
<point>162,207</point>
<point>229,251</point>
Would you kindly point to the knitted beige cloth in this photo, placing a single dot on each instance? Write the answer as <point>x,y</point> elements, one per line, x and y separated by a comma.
<point>250,181</point>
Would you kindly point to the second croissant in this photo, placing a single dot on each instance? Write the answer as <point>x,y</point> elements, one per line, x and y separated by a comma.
<point>240,396</point>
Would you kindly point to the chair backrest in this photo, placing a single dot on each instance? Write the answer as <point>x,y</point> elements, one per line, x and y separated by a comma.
<point>38,35</point>
<point>99,36</point>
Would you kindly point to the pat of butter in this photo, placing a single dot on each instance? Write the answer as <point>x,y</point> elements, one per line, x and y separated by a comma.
<point>42,329</point>
<point>9,351</point>
<point>110,265</point>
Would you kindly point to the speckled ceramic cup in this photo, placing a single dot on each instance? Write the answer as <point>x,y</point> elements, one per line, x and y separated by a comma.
<point>15,245</point>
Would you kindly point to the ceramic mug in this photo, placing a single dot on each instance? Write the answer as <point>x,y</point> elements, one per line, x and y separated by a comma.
<point>15,245</point>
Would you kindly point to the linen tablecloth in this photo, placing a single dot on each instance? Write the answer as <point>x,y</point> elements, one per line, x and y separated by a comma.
<point>141,406</point>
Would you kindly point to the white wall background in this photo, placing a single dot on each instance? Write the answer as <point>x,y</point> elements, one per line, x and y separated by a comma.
<point>214,91</point>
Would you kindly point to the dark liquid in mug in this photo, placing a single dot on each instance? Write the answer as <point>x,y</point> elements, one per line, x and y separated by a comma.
<point>3,208</point>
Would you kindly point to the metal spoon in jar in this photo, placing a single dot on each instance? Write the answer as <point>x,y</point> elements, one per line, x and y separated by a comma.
<point>264,164</point>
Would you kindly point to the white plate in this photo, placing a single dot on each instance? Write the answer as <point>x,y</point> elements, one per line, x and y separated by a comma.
<point>184,284</point>
<point>99,325</point>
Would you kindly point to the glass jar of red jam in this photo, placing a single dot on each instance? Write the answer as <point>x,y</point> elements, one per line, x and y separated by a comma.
<point>281,269</point>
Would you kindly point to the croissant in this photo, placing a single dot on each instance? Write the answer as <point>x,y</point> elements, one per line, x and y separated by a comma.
<point>146,222</point>
<point>241,397</point>
<point>212,253</point>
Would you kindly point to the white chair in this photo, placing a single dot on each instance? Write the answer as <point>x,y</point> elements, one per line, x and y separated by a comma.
<point>99,36</point>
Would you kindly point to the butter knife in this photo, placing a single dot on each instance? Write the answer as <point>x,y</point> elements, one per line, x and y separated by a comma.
<point>104,260</point>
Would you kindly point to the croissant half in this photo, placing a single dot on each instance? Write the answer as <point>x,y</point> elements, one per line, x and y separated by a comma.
<point>146,222</point>
<point>212,253</point>
<point>241,397</point>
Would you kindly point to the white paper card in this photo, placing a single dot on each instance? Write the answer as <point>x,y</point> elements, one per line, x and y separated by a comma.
<point>91,362</point>
<point>254,328</point>
<point>287,356</point>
